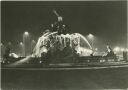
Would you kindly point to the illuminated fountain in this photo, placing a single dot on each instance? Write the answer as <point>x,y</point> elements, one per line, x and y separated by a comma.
<point>73,45</point>
<point>60,40</point>
<point>59,44</point>
<point>51,40</point>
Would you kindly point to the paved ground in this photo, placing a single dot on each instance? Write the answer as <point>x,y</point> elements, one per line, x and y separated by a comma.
<point>64,79</point>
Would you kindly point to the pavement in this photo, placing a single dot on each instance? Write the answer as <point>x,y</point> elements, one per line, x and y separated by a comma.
<point>65,78</point>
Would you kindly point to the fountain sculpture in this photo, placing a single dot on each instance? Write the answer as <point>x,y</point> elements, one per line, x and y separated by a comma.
<point>52,41</point>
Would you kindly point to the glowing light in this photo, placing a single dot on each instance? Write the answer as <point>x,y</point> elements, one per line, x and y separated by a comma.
<point>116,49</point>
<point>60,18</point>
<point>44,50</point>
<point>26,33</point>
<point>83,51</point>
<point>21,43</point>
<point>91,36</point>
<point>40,62</point>
<point>13,55</point>
<point>96,49</point>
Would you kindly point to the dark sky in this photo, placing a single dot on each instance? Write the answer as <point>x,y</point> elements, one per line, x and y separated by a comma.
<point>107,20</point>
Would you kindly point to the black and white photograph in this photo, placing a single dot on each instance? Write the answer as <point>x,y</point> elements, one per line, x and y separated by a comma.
<point>64,45</point>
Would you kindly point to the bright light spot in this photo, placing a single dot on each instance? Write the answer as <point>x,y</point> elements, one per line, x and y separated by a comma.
<point>83,51</point>
<point>26,33</point>
<point>44,50</point>
<point>60,18</point>
<point>13,55</point>
<point>116,49</point>
<point>96,49</point>
<point>91,36</point>
<point>21,43</point>
<point>40,61</point>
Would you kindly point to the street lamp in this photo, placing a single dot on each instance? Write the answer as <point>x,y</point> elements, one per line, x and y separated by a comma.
<point>21,48</point>
<point>25,41</point>
<point>26,33</point>
<point>90,36</point>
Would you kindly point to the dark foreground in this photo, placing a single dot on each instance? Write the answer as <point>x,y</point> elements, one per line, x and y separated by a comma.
<point>79,79</point>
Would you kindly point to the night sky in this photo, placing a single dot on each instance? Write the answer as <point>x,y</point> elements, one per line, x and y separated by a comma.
<point>107,20</point>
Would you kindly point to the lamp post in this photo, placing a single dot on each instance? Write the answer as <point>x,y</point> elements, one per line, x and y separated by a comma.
<point>21,49</point>
<point>25,41</point>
